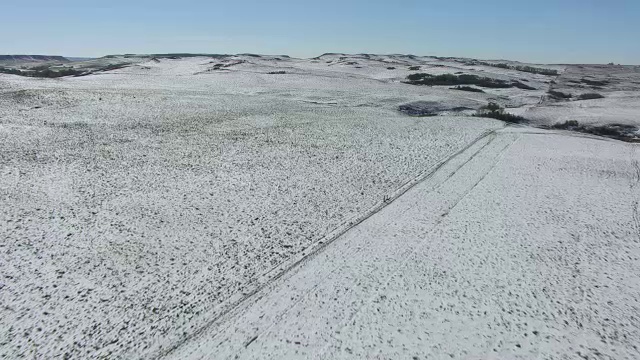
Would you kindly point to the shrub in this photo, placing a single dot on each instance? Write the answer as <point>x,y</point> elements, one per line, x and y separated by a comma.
<point>492,107</point>
<point>567,125</point>
<point>590,96</point>
<point>277,72</point>
<point>414,68</point>
<point>391,68</point>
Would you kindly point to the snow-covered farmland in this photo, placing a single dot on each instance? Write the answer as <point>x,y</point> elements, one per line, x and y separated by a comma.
<point>500,254</point>
<point>141,203</point>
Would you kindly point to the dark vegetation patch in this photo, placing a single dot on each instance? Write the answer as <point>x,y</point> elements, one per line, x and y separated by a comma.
<point>504,116</point>
<point>172,56</point>
<point>222,66</point>
<point>186,55</point>
<point>590,96</point>
<point>281,72</point>
<point>622,132</point>
<point>451,79</point>
<point>558,95</point>
<point>491,107</point>
<point>428,108</point>
<point>523,68</point>
<point>494,111</point>
<point>414,68</point>
<point>42,73</point>
<point>467,88</point>
<point>522,86</point>
<point>595,82</point>
<point>535,70</point>
<point>465,79</point>
<point>391,68</point>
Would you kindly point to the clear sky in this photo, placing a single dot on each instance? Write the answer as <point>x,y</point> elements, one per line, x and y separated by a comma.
<point>547,31</point>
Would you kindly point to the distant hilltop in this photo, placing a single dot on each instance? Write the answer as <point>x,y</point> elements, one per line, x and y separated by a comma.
<point>32,58</point>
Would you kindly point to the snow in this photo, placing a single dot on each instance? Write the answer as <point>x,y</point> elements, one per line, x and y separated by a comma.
<point>499,254</point>
<point>140,205</point>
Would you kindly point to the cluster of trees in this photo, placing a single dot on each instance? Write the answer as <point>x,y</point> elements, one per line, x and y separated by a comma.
<point>494,111</point>
<point>41,72</point>
<point>615,131</point>
<point>451,79</point>
<point>464,79</point>
<point>523,68</point>
<point>562,96</point>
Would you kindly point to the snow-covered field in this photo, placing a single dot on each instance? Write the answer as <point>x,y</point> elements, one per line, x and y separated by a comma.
<point>500,254</point>
<point>139,205</point>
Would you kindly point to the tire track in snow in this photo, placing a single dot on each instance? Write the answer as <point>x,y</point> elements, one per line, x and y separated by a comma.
<point>636,165</point>
<point>283,269</point>
<point>635,213</point>
<point>497,159</point>
<point>636,218</point>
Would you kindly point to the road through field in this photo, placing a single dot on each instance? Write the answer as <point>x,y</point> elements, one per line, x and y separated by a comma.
<point>495,255</point>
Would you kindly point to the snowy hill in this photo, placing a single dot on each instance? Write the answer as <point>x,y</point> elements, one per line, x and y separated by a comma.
<point>31,58</point>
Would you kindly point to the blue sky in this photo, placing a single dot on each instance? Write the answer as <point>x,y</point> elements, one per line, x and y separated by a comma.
<point>587,31</point>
